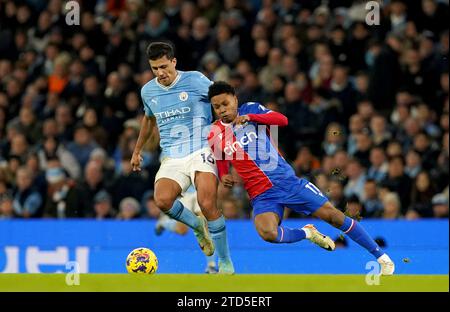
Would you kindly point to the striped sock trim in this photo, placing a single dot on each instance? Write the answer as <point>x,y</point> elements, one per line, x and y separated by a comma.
<point>218,230</point>
<point>176,211</point>
<point>282,234</point>
<point>351,227</point>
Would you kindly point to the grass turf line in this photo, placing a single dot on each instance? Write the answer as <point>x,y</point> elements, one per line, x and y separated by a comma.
<point>204,282</point>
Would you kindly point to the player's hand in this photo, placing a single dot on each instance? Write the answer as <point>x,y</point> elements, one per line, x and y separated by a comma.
<point>136,161</point>
<point>241,120</point>
<point>227,180</point>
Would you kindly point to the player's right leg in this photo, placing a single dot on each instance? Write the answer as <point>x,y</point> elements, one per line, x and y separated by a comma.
<point>356,232</point>
<point>166,193</point>
<point>189,200</point>
<point>206,185</point>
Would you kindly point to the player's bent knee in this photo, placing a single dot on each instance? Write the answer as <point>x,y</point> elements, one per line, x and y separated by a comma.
<point>269,235</point>
<point>164,202</point>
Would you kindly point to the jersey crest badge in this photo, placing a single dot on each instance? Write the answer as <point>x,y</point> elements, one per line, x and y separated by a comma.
<point>183,96</point>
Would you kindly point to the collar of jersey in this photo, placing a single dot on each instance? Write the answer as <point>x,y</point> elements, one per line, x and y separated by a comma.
<point>172,84</point>
<point>230,123</point>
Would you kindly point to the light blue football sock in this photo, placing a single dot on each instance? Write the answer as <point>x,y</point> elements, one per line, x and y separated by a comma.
<point>180,213</point>
<point>218,233</point>
<point>356,232</point>
<point>211,259</point>
<point>288,235</point>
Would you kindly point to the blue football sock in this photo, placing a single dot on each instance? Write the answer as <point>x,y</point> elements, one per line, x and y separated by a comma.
<point>288,235</point>
<point>219,236</point>
<point>356,232</point>
<point>180,213</point>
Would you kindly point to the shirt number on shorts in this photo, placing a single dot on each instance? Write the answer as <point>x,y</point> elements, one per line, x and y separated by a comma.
<point>208,158</point>
<point>314,189</point>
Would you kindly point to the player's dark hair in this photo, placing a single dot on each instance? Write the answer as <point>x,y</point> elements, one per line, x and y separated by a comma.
<point>220,87</point>
<point>157,50</point>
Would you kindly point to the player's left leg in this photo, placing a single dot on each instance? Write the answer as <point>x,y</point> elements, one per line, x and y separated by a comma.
<point>267,226</point>
<point>206,185</point>
<point>189,200</point>
<point>356,232</point>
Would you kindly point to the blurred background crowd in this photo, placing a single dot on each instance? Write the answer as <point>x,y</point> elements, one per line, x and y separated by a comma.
<point>367,104</point>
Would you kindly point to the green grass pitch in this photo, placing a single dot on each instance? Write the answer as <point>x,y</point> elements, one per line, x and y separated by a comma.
<point>237,283</point>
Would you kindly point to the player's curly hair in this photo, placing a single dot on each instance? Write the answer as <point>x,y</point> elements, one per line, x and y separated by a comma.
<point>220,87</point>
<point>157,50</point>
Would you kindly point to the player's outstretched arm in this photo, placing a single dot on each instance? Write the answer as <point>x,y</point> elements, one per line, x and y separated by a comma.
<point>147,125</point>
<point>270,119</point>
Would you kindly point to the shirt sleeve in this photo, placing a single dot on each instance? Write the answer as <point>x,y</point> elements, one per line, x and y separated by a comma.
<point>147,110</point>
<point>262,115</point>
<point>271,118</point>
<point>255,108</point>
<point>203,84</point>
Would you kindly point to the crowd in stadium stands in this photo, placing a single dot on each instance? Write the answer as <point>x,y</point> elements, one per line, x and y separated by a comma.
<point>367,104</point>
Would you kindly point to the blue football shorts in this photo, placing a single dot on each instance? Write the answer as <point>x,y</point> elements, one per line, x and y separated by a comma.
<point>297,194</point>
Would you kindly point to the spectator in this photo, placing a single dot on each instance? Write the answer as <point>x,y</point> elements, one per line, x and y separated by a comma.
<point>128,209</point>
<point>19,146</point>
<point>385,74</point>
<point>354,207</point>
<point>51,148</point>
<point>128,183</point>
<point>356,179</point>
<point>397,181</point>
<point>92,183</point>
<point>27,201</point>
<point>413,164</point>
<point>334,139</point>
<point>336,194</point>
<point>102,206</point>
<point>392,206</point>
<point>64,121</point>
<point>373,208</point>
<point>305,163</point>
<point>64,200</point>
<point>98,133</point>
<point>82,145</point>
<point>342,90</point>
<point>6,207</point>
<point>421,195</point>
<point>440,206</point>
<point>427,151</point>
<point>379,131</point>
<point>378,165</point>
<point>356,126</point>
<point>363,146</point>
<point>27,124</point>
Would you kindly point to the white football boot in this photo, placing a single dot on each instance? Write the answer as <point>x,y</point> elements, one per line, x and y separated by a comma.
<point>387,265</point>
<point>318,238</point>
<point>203,237</point>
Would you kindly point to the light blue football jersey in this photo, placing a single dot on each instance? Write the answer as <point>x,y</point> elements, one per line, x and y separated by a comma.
<point>182,111</point>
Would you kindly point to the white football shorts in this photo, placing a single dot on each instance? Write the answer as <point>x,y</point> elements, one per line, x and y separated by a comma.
<point>182,170</point>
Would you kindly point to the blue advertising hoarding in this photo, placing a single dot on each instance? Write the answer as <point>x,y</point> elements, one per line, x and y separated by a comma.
<point>417,247</point>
